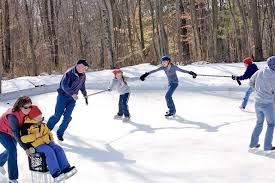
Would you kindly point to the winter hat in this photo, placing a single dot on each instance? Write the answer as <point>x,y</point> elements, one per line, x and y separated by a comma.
<point>35,111</point>
<point>271,62</point>
<point>116,71</point>
<point>84,62</point>
<point>165,58</point>
<point>248,60</point>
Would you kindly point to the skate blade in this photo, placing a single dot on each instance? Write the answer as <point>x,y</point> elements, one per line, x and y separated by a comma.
<point>71,173</point>
<point>60,179</point>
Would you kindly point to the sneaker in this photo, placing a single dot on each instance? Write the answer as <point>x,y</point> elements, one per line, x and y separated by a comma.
<point>117,117</point>
<point>60,137</point>
<point>126,119</point>
<point>2,170</point>
<point>13,181</point>
<point>69,172</point>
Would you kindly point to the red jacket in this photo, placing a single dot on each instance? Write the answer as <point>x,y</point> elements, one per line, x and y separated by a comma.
<point>4,123</point>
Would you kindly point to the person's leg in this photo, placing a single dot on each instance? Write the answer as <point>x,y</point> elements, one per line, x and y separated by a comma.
<point>51,159</point>
<point>9,144</point>
<point>59,110</point>
<point>70,104</point>
<point>60,155</point>
<point>120,106</point>
<point>169,100</point>
<point>125,108</point>
<point>259,126</point>
<point>270,119</point>
<point>246,97</point>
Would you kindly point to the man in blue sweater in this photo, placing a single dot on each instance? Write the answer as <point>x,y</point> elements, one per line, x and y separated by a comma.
<point>251,68</point>
<point>72,81</point>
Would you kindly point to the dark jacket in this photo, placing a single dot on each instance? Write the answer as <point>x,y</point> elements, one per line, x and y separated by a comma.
<point>72,82</point>
<point>250,70</point>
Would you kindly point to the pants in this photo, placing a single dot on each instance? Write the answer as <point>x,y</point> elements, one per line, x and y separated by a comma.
<point>64,106</point>
<point>246,96</point>
<point>55,157</point>
<point>169,100</point>
<point>123,105</point>
<point>263,111</point>
<point>10,155</point>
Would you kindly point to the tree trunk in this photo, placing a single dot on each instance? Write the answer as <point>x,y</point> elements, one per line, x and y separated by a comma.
<point>258,51</point>
<point>214,29</point>
<point>270,24</point>
<point>1,46</point>
<point>245,27</point>
<point>7,38</point>
<point>129,26</point>
<point>54,36</point>
<point>157,54</point>
<point>30,36</point>
<point>182,36</point>
<point>196,33</point>
<point>140,25</point>
<point>107,21</point>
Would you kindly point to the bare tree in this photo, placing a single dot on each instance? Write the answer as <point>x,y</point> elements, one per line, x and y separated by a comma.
<point>7,37</point>
<point>258,51</point>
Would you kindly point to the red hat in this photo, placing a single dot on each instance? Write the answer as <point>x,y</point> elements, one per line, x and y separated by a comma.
<point>248,60</point>
<point>35,111</point>
<point>116,71</point>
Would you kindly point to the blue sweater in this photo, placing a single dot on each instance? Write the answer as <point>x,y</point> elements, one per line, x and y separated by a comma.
<point>170,72</point>
<point>72,82</point>
<point>250,70</point>
<point>14,125</point>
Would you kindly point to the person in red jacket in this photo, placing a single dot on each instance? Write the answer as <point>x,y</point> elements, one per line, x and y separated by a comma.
<point>10,123</point>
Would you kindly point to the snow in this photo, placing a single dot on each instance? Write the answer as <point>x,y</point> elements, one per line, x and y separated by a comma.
<point>207,141</point>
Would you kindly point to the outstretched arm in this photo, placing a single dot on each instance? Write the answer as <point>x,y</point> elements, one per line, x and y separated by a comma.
<point>143,76</point>
<point>193,74</point>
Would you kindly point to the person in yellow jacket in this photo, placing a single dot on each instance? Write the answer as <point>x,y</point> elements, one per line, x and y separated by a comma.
<point>35,133</point>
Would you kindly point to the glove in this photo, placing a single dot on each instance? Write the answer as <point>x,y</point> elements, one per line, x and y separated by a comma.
<point>234,77</point>
<point>194,75</point>
<point>143,76</point>
<point>86,100</point>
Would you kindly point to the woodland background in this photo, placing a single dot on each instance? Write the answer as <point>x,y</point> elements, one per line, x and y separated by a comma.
<point>48,36</point>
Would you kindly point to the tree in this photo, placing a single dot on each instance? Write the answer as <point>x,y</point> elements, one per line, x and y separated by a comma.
<point>258,51</point>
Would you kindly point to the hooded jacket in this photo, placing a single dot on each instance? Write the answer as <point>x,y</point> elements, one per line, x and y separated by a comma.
<point>30,128</point>
<point>264,83</point>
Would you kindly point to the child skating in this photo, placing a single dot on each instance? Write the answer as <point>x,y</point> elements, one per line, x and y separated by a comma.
<point>120,83</point>
<point>37,134</point>
<point>171,73</point>
<point>251,68</point>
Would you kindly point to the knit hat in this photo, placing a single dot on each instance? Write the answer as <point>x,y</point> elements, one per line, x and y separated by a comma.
<point>165,58</point>
<point>84,62</point>
<point>116,71</point>
<point>248,60</point>
<point>35,111</point>
<point>271,62</point>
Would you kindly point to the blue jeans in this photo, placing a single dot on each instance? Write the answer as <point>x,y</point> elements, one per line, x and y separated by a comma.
<point>55,157</point>
<point>123,105</point>
<point>169,100</point>
<point>64,106</point>
<point>10,154</point>
<point>246,96</point>
<point>263,111</point>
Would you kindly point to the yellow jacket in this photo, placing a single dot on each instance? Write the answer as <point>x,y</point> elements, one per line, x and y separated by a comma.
<point>30,128</point>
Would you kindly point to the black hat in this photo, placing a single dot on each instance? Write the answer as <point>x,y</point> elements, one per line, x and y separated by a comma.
<point>83,61</point>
